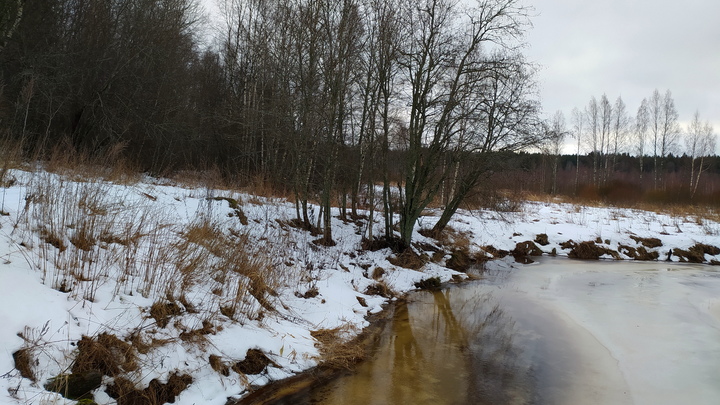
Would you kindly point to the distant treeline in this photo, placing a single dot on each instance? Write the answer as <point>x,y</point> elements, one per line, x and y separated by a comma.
<point>624,183</point>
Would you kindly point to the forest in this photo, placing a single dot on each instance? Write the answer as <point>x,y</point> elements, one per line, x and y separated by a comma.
<point>388,106</point>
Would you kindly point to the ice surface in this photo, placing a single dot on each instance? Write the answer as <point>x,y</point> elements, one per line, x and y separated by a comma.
<point>650,328</point>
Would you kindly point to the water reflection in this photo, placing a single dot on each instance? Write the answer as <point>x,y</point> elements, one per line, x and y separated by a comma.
<point>559,332</point>
<point>444,347</point>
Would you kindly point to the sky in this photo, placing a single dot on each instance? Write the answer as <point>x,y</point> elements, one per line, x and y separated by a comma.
<point>628,48</point>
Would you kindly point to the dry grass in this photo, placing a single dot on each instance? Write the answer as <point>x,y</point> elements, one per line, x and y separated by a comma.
<point>126,392</point>
<point>162,312</point>
<point>24,361</point>
<point>408,259</point>
<point>106,354</point>
<point>336,350</point>
<point>255,362</point>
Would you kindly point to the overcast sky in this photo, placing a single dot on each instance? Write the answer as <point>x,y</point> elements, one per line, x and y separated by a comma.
<point>628,48</point>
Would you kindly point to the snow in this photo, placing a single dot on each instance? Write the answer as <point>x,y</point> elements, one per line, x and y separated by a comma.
<point>120,281</point>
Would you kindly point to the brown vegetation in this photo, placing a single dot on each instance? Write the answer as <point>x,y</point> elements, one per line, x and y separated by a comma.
<point>408,259</point>
<point>24,363</point>
<point>523,251</point>
<point>255,362</point>
<point>125,391</point>
<point>647,242</point>
<point>590,251</point>
<point>337,352</point>
<point>639,253</point>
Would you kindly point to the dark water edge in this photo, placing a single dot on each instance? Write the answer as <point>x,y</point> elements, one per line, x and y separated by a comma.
<point>451,346</point>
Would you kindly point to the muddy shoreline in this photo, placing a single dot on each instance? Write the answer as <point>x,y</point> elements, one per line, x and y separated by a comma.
<point>283,391</point>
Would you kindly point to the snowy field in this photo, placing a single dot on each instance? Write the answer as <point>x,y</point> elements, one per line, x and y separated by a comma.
<point>195,277</point>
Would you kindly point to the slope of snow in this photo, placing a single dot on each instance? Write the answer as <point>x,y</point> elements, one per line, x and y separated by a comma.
<point>142,246</point>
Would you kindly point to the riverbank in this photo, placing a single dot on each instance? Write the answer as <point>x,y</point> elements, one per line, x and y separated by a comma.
<point>554,332</point>
<point>217,293</point>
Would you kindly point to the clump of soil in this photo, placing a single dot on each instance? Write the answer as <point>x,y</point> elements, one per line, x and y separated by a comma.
<point>255,362</point>
<point>495,252</point>
<point>542,239</point>
<point>199,334</point>
<point>337,353</point>
<point>459,260</point>
<point>523,251</point>
<point>408,259</point>
<point>380,289</point>
<point>571,244</point>
<point>125,392</point>
<point>647,242</point>
<point>432,283</point>
<point>163,311</point>
<point>590,251</point>
<point>706,249</point>
<point>639,253</point>
<point>102,355</point>
<point>106,354</point>
<point>696,253</point>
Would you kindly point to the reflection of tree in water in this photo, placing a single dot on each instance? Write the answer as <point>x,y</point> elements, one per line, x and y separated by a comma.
<point>447,347</point>
<point>484,335</point>
<point>408,359</point>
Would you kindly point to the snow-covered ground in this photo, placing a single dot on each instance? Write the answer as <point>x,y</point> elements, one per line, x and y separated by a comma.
<point>82,257</point>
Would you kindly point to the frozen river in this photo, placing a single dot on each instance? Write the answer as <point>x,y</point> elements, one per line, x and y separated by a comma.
<point>555,332</point>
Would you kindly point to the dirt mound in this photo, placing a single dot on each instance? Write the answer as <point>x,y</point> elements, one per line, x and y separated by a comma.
<point>639,253</point>
<point>647,242</point>
<point>590,251</point>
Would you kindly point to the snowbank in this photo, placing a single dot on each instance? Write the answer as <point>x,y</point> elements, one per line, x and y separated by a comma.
<point>196,277</point>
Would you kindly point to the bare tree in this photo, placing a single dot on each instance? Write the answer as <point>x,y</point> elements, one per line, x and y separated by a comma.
<point>594,140</point>
<point>620,125</point>
<point>556,139</point>
<point>506,120</point>
<point>664,129</point>
<point>445,64</point>
<point>11,12</point>
<point>578,123</point>
<point>642,124</point>
<point>700,141</point>
<point>606,115</point>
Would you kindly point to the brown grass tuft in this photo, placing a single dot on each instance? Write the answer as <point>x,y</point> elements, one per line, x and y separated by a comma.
<point>647,242</point>
<point>336,352</point>
<point>157,393</point>
<point>380,288</point>
<point>590,251</point>
<point>639,253</point>
<point>255,362</point>
<point>106,353</point>
<point>408,259</point>
<point>161,312</point>
<point>218,365</point>
<point>24,363</point>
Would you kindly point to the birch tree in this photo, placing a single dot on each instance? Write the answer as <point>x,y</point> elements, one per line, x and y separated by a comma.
<point>700,141</point>
<point>642,124</point>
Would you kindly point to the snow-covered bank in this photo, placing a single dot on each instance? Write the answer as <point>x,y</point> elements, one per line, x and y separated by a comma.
<point>194,278</point>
